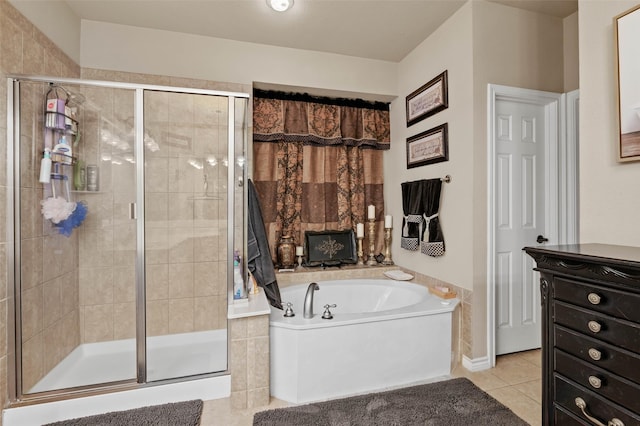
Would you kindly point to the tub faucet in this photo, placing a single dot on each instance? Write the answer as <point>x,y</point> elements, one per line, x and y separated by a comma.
<point>308,300</point>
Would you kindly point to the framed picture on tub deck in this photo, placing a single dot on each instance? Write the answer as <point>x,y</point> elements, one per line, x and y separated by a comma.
<point>627,27</point>
<point>427,100</point>
<point>330,248</point>
<point>431,146</point>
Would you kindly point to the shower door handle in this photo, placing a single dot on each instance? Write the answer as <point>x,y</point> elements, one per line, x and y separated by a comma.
<point>133,214</point>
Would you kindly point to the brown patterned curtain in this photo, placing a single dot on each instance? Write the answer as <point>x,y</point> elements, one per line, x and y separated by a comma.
<point>318,163</point>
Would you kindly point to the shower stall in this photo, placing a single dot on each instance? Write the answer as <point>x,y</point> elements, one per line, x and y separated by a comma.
<point>134,290</point>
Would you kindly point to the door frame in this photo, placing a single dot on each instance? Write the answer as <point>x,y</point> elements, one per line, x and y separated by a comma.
<point>569,194</point>
<point>560,179</point>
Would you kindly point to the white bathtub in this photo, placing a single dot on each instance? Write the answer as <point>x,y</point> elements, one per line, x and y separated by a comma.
<point>384,334</point>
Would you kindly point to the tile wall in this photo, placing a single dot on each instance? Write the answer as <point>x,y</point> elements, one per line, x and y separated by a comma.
<point>51,280</point>
<point>186,226</point>
<point>182,234</point>
<point>249,362</point>
<point>187,219</point>
<point>107,237</point>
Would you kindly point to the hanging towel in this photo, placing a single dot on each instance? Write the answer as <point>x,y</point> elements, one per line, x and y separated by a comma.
<point>412,215</point>
<point>432,239</point>
<point>258,253</point>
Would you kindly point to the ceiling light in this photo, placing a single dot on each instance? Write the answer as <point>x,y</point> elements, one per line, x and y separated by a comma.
<point>280,5</point>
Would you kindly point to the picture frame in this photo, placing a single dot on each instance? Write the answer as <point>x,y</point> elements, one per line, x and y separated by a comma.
<point>330,248</point>
<point>427,100</point>
<point>428,147</point>
<point>627,33</point>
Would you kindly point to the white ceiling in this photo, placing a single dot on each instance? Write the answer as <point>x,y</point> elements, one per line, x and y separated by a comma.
<point>377,29</point>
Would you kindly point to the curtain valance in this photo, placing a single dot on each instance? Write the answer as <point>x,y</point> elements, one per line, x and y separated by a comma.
<point>312,120</point>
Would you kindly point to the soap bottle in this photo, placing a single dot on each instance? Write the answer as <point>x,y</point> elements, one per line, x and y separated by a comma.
<point>45,167</point>
<point>238,282</point>
<point>63,148</point>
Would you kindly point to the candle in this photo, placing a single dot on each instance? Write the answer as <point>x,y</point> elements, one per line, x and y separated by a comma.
<point>360,230</point>
<point>371,212</point>
<point>388,221</point>
<point>299,251</point>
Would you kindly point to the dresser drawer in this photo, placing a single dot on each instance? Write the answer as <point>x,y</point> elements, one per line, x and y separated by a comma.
<point>621,333</point>
<point>561,417</point>
<point>600,381</point>
<point>570,396</point>
<point>619,304</point>
<point>600,354</point>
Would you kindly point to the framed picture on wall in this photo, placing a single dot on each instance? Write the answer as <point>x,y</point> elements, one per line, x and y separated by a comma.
<point>628,42</point>
<point>427,100</point>
<point>431,146</point>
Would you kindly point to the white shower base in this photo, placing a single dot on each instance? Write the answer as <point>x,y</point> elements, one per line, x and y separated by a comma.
<point>171,356</point>
<point>168,356</point>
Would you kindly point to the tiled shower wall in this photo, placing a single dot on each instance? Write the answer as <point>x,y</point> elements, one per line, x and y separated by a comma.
<point>107,237</point>
<point>49,265</point>
<point>185,139</point>
<point>25,50</point>
<point>186,212</point>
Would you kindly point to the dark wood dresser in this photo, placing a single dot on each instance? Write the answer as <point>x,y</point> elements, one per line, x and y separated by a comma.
<point>590,334</point>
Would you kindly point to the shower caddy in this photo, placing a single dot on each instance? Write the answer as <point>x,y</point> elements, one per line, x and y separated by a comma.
<point>59,122</point>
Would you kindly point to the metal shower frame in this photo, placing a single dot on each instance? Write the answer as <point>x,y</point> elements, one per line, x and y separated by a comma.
<point>14,357</point>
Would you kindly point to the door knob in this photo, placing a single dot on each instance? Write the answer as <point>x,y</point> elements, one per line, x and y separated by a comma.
<point>541,239</point>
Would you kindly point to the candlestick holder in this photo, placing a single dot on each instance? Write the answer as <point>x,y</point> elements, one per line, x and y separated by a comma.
<point>372,243</point>
<point>387,247</point>
<point>360,252</point>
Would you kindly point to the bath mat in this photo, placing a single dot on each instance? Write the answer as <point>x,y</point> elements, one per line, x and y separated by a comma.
<point>185,413</point>
<point>456,402</point>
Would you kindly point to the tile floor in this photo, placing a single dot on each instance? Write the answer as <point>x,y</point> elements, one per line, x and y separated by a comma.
<point>515,381</point>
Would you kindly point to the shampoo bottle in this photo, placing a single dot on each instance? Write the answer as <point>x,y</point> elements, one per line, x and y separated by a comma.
<point>79,176</point>
<point>45,167</point>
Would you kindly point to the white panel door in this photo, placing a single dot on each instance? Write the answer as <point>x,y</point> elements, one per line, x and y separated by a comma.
<point>520,215</point>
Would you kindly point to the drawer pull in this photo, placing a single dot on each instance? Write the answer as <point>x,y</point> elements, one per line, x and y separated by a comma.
<point>594,298</point>
<point>595,354</point>
<point>595,382</point>
<point>582,405</point>
<point>594,326</point>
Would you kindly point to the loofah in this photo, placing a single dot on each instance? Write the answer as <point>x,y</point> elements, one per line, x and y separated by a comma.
<point>57,209</point>
<point>74,220</point>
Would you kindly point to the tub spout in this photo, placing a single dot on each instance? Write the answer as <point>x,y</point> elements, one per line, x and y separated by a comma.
<point>308,300</point>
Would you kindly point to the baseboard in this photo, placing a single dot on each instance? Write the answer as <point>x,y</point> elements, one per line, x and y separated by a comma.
<point>476,364</point>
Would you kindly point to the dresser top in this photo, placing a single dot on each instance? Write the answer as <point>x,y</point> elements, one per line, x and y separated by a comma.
<point>611,254</point>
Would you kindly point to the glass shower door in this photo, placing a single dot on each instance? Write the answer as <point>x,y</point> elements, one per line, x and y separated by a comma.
<point>137,290</point>
<point>186,225</point>
<point>77,319</point>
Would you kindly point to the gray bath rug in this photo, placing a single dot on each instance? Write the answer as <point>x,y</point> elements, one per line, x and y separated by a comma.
<point>456,402</point>
<point>185,413</point>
